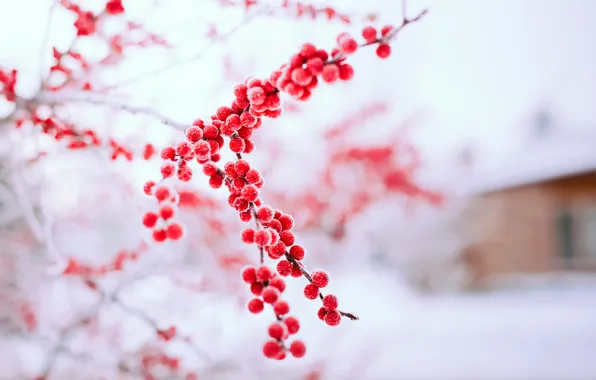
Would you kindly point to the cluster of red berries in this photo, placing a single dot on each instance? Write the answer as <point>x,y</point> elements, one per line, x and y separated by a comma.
<point>161,222</point>
<point>267,288</point>
<point>255,99</point>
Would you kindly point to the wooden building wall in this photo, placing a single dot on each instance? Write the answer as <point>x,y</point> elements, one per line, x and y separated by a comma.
<point>519,230</point>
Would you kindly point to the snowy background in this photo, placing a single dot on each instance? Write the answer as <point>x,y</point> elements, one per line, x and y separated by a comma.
<point>471,75</point>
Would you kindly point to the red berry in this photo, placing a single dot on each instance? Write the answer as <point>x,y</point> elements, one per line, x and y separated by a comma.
<point>162,193</point>
<point>297,252</point>
<point>287,237</point>
<point>330,302</point>
<point>249,274</point>
<point>333,317</point>
<point>256,95</point>
<point>241,167</point>
<point>168,153</point>
<point>277,250</point>
<point>253,176</point>
<point>349,45</point>
<point>175,231</point>
<point>330,73</point>
<point>202,149</point>
<point>297,349</point>
<point>210,132</point>
<point>250,193</point>
<point>276,331</point>
<point>223,112</point>
<point>292,324</point>
<point>148,187</point>
<point>369,34</point>
<point>270,294</point>
<point>287,222</point>
<point>240,91</point>
<point>278,283</point>
<point>209,169</point>
<point>308,50</point>
<point>311,292</point>
<point>149,219</point>
<point>322,313</point>
<point>237,145</point>
<point>284,267</point>
<point>248,236</point>
<point>281,307</point>
<point>296,272</point>
<point>320,278</point>
<point>160,235</point>
<point>256,288</point>
<point>383,51</point>
<point>262,238</point>
<point>265,214</point>
<point>346,72</point>
<point>255,306</point>
<point>271,349</point>
<point>216,181</point>
<point>194,134</point>
<point>264,273</point>
<point>166,212</point>
<point>167,169</point>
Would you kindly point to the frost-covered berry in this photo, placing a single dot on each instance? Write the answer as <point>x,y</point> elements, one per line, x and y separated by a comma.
<point>271,349</point>
<point>194,134</point>
<point>209,169</point>
<point>175,231</point>
<point>256,288</point>
<point>330,302</point>
<point>297,349</point>
<point>265,214</point>
<point>148,187</point>
<point>264,273</point>
<point>255,306</point>
<point>330,73</point>
<point>241,167</point>
<point>276,331</point>
<point>332,317</point>
<point>168,153</point>
<point>278,283</point>
<point>270,294</point>
<point>150,219</point>
<point>284,267</point>
<point>383,51</point>
<point>292,324</point>
<point>287,237</point>
<point>249,274</point>
<point>162,193</point>
<point>262,238</point>
<point>322,313</point>
<point>281,307</point>
<point>160,235</point>
<point>369,34</point>
<point>297,252</point>
<point>311,292</point>
<point>250,193</point>
<point>248,236</point>
<point>166,212</point>
<point>287,222</point>
<point>320,278</point>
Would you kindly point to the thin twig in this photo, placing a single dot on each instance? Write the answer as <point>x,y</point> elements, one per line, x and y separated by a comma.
<point>49,98</point>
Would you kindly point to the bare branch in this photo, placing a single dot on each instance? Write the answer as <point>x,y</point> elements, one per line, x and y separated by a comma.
<point>187,60</point>
<point>50,98</point>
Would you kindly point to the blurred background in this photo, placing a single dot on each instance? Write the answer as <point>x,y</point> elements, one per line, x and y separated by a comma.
<point>450,190</point>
